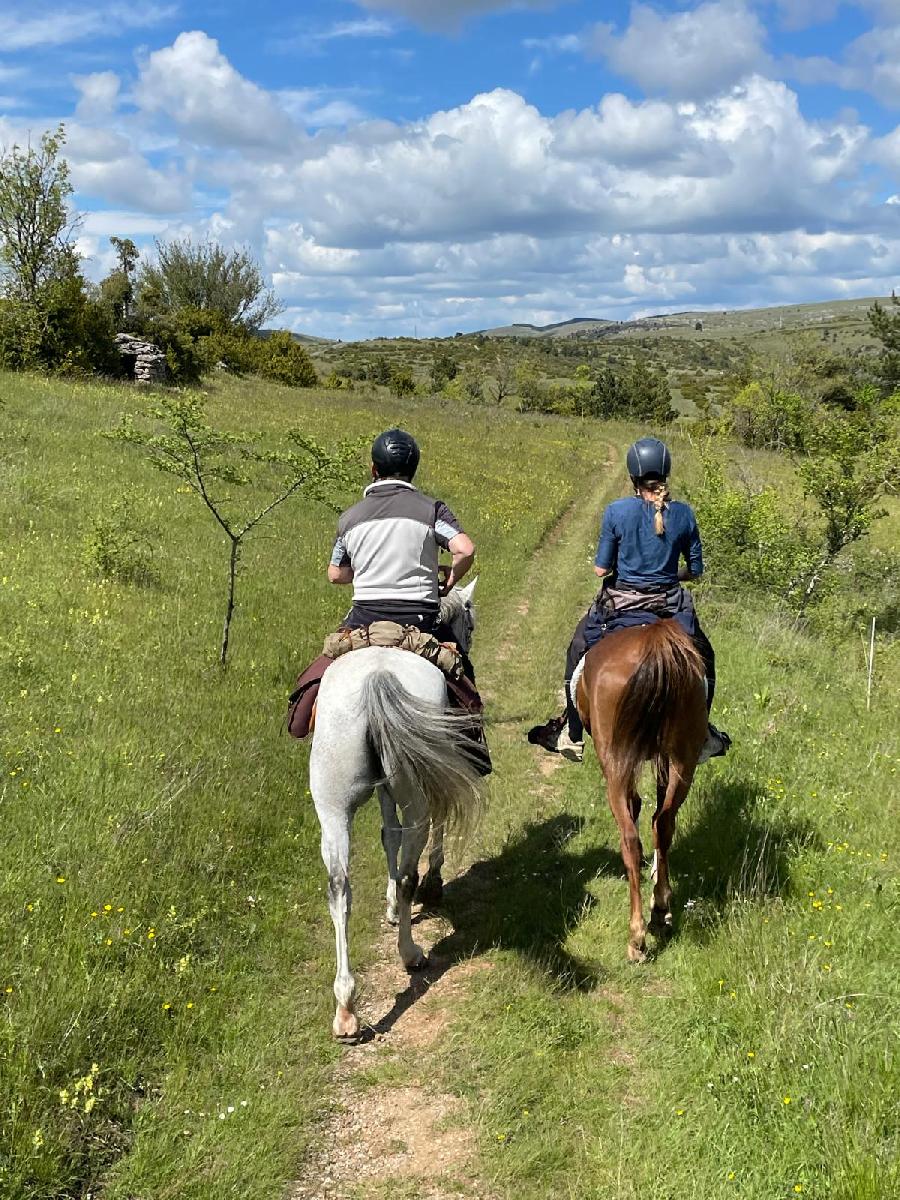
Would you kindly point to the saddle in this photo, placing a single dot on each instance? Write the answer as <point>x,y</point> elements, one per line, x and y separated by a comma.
<point>443,655</point>
<point>460,689</point>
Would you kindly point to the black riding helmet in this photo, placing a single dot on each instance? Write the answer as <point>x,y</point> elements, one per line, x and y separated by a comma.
<point>395,452</point>
<point>649,456</point>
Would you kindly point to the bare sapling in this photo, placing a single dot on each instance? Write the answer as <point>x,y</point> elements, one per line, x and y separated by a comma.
<point>211,462</point>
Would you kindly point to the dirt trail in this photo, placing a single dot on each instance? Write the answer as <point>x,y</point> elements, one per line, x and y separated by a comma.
<point>389,1122</point>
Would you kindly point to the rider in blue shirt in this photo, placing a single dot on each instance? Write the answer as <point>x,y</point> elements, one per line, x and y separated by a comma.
<point>649,546</point>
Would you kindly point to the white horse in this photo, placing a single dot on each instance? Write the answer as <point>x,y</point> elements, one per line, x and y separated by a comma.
<point>382,721</point>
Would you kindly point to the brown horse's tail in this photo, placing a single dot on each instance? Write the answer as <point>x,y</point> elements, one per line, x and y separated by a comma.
<point>652,699</point>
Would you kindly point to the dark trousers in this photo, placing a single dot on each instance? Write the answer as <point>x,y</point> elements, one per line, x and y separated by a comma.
<point>584,638</point>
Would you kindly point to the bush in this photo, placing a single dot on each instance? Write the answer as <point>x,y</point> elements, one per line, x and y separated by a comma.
<point>751,538</point>
<point>63,331</point>
<point>119,546</point>
<point>283,359</point>
<point>767,418</point>
<point>403,382</point>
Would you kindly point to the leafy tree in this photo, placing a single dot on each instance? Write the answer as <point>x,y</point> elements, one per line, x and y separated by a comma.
<point>444,368</point>
<point>36,230</point>
<point>503,377</point>
<point>380,371</point>
<point>206,276</point>
<point>117,289</point>
<point>210,462</point>
<point>886,328</point>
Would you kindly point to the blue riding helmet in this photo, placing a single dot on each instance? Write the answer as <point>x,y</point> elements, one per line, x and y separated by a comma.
<point>649,456</point>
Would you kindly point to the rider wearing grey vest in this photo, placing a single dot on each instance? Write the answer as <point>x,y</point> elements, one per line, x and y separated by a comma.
<point>387,545</point>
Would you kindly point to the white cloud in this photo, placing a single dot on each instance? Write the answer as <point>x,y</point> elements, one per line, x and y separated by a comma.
<point>311,40</point>
<point>449,14</point>
<point>99,94</point>
<point>691,54</point>
<point>43,26</point>
<point>318,108</point>
<point>497,165</point>
<point>193,84</point>
<point>105,165</point>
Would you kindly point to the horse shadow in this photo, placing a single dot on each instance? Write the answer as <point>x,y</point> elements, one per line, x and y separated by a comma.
<point>527,899</point>
<point>733,850</point>
<point>530,896</point>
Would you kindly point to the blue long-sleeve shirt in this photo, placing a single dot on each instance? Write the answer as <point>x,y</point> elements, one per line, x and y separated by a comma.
<point>630,546</point>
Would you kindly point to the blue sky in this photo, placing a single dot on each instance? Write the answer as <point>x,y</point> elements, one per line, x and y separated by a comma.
<point>454,164</point>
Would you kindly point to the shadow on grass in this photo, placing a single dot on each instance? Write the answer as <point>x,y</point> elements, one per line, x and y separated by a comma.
<point>732,852</point>
<point>528,897</point>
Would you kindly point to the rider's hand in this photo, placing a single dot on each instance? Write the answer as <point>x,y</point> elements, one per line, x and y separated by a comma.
<point>445,579</point>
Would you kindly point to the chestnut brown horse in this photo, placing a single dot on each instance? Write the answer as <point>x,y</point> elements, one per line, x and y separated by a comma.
<point>641,696</point>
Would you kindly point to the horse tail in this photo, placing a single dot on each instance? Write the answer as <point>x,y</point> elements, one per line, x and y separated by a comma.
<point>426,744</point>
<point>656,693</point>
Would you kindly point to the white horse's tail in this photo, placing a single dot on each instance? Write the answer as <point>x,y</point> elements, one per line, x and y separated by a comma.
<point>425,743</point>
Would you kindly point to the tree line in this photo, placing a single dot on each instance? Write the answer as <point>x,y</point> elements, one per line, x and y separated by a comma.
<point>201,304</point>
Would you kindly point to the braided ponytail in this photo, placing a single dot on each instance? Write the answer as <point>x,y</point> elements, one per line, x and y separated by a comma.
<point>659,489</point>
<point>662,496</point>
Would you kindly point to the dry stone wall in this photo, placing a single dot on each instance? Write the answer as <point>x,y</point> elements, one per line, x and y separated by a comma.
<point>149,360</point>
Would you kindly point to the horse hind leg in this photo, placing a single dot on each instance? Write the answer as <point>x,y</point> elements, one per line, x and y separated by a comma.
<point>336,855</point>
<point>625,804</point>
<point>431,890</point>
<point>390,839</point>
<point>414,836</point>
<point>672,788</point>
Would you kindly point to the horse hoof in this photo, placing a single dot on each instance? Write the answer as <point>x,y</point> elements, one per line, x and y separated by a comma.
<point>419,963</point>
<point>392,916</point>
<point>636,954</point>
<point>345,1027</point>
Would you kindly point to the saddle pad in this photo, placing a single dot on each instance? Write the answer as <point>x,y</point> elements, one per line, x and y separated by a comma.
<point>576,675</point>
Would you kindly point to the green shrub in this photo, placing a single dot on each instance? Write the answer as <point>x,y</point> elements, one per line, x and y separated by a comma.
<point>119,545</point>
<point>752,538</point>
<point>283,359</point>
<point>62,331</point>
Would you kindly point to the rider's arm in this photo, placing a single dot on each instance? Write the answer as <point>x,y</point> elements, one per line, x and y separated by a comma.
<point>462,549</point>
<point>339,569</point>
<point>449,536</point>
<point>694,555</point>
<point>607,547</point>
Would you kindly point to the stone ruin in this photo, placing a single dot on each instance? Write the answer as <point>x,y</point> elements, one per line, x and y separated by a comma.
<point>149,361</point>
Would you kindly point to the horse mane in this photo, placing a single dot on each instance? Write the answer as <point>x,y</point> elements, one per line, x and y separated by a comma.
<point>653,698</point>
<point>451,605</point>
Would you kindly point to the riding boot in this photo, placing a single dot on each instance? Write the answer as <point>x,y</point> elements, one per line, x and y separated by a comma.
<point>717,741</point>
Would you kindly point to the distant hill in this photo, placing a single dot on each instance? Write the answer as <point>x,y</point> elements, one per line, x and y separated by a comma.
<point>303,338</point>
<point>583,326</point>
<point>716,323</point>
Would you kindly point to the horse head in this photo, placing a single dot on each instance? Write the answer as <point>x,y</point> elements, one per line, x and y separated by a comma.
<point>458,614</point>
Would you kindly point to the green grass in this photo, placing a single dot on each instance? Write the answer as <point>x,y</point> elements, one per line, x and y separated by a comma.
<point>755,1055</point>
<point>137,775</point>
<point>162,895</point>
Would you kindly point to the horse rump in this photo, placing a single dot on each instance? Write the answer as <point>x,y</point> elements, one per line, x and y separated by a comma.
<point>654,698</point>
<point>425,743</point>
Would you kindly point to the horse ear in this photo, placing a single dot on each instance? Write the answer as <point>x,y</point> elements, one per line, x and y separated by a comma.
<point>469,590</point>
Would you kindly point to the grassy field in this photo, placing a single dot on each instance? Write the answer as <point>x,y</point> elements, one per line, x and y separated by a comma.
<point>166,952</point>
<point>165,947</point>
